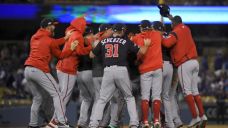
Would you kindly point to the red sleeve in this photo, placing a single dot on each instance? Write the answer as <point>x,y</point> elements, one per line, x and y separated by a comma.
<point>134,39</point>
<point>58,53</point>
<point>81,49</point>
<point>59,41</point>
<point>169,41</point>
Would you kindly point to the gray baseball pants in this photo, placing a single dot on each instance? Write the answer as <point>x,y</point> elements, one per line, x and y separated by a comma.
<point>117,103</point>
<point>173,99</point>
<point>166,90</point>
<point>36,78</point>
<point>151,81</point>
<point>112,109</point>
<point>106,117</point>
<point>188,76</point>
<point>87,95</point>
<point>115,77</point>
<point>66,85</point>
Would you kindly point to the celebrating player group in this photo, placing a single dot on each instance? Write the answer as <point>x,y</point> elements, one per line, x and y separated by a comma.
<point>112,69</point>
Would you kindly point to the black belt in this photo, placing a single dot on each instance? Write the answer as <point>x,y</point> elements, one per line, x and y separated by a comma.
<point>114,65</point>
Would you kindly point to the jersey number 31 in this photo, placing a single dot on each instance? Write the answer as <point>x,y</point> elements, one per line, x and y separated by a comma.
<point>111,50</point>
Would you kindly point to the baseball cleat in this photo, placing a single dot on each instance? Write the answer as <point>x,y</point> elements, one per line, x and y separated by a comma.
<point>133,126</point>
<point>203,122</point>
<point>52,124</point>
<point>81,126</point>
<point>145,124</point>
<point>178,123</point>
<point>63,125</point>
<point>33,127</point>
<point>111,126</point>
<point>179,126</point>
<point>194,122</point>
<point>157,124</point>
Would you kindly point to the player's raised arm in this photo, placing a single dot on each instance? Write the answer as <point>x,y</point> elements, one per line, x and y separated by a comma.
<point>65,53</point>
<point>169,41</point>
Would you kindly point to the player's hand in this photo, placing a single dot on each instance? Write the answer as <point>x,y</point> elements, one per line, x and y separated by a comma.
<point>147,42</point>
<point>68,34</point>
<point>74,45</point>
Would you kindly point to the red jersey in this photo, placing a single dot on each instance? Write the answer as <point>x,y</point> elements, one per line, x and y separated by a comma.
<point>152,60</point>
<point>182,45</point>
<point>69,65</point>
<point>42,47</point>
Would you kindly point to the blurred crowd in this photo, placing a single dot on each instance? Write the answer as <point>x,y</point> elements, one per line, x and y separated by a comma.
<point>12,57</point>
<point>213,76</point>
<point>198,2</point>
<point>127,2</point>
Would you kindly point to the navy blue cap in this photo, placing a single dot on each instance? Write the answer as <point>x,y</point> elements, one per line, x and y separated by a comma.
<point>104,27</point>
<point>119,27</point>
<point>145,24</point>
<point>157,25</point>
<point>88,30</point>
<point>177,19</point>
<point>47,21</point>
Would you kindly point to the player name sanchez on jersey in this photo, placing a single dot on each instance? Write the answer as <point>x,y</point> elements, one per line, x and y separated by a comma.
<point>114,50</point>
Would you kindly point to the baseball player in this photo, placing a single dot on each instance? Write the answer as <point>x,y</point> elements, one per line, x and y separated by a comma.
<point>184,57</point>
<point>67,67</point>
<point>135,81</point>
<point>85,83</point>
<point>150,72</point>
<point>167,82</point>
<point>114,52</point>
<point>113,109</point>
<point>44,113</point>
<point>173,99</point>
<point>135,78</point>
<point>98,71</point>
<point>37,71</point>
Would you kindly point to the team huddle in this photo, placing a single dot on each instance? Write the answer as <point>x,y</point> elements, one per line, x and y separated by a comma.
<point>112,69</point>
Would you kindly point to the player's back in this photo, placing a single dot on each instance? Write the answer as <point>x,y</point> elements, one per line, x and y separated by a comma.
<point>152,60</point>
<point>185,47</point>
<point>114,50</point>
